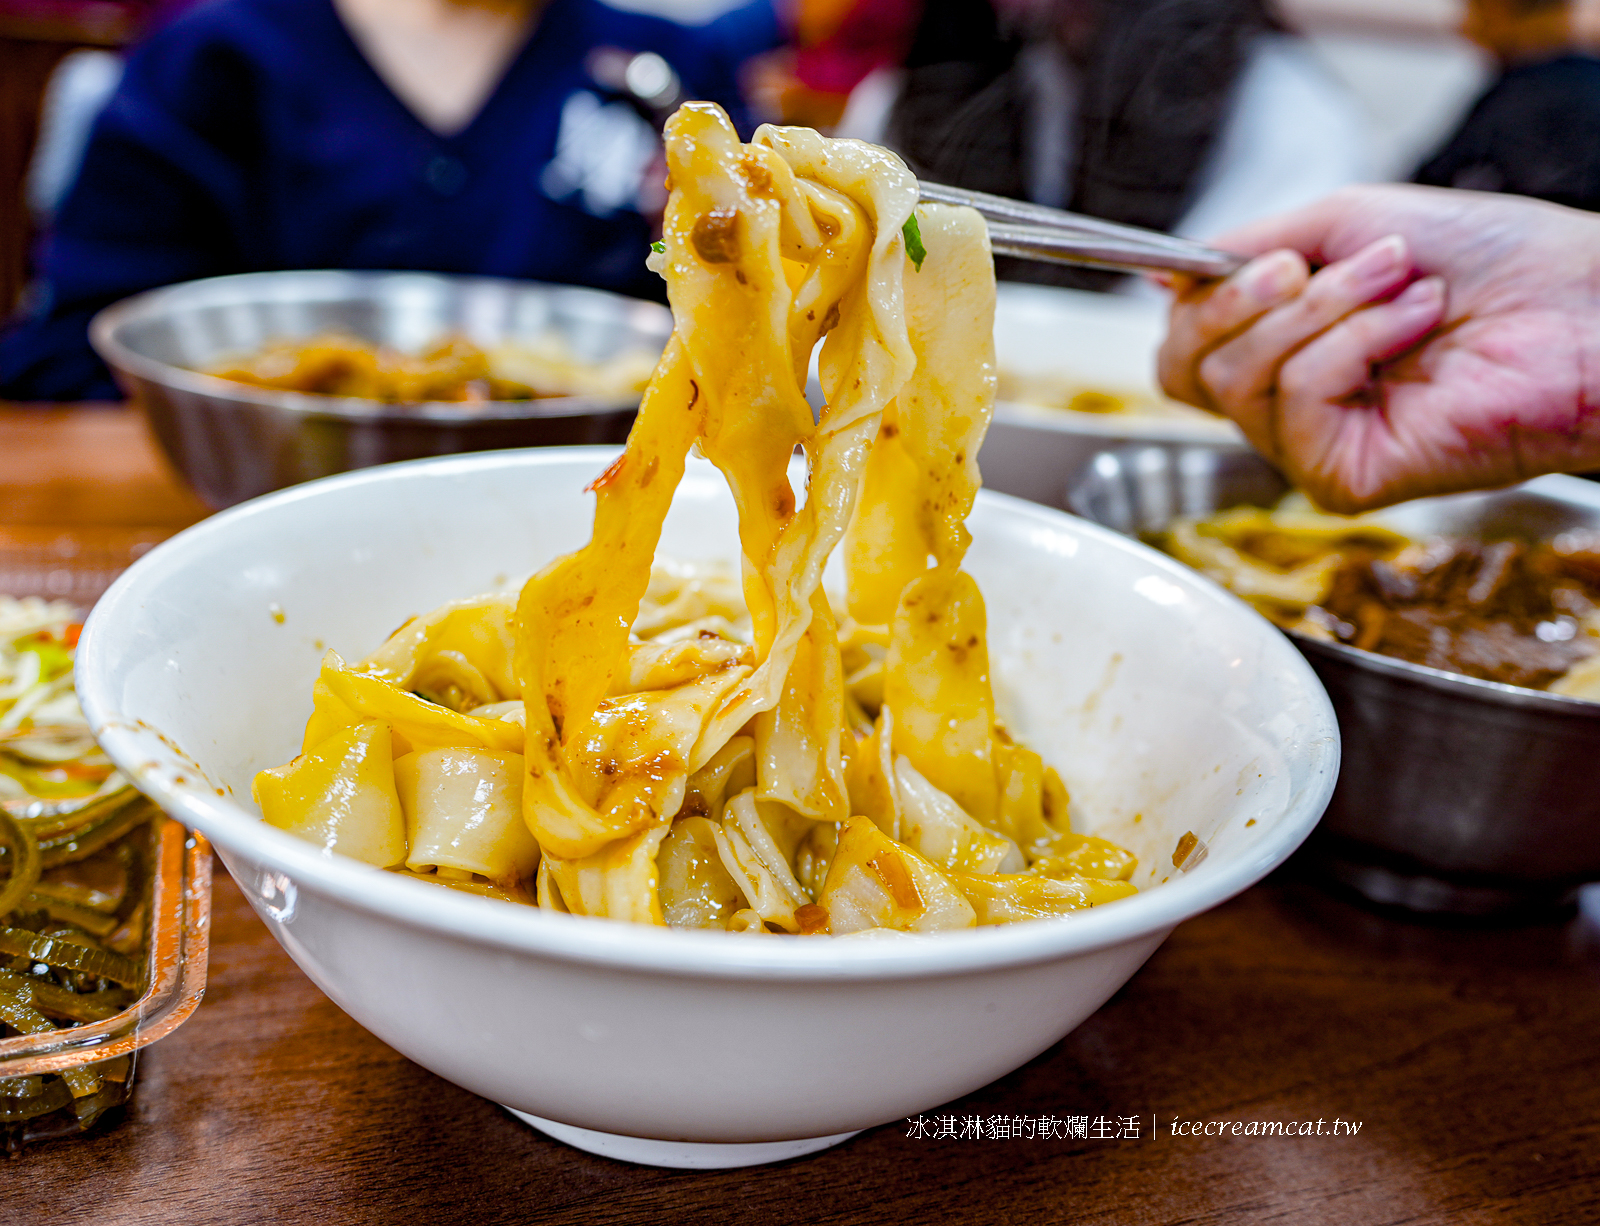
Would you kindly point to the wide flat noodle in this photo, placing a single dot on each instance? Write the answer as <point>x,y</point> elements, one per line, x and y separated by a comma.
<point>770,247</point>
<point>923,475</point>
<point>736,262</point>
<point>659,743</point>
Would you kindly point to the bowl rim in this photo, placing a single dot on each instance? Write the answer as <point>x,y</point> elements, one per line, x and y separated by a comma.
<point>1149,915</point>
<point>336,284</point>
<point>1131,429</point>
<point>1492,693</point>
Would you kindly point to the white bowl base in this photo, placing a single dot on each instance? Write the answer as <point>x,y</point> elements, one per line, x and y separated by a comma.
<point>1169,707</point>
<point>679,1155</point>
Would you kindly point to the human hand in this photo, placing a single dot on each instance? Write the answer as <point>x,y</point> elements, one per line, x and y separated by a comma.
<point>1449,341</point>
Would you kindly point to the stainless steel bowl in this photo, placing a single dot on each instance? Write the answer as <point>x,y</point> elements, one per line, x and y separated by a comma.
<point>1093,342</point>
<point>1032,452</point>
<point>232,441</point>
<point>1455,794</point>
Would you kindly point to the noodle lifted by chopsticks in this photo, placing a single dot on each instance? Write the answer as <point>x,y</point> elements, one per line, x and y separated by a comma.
<point>802,775</point>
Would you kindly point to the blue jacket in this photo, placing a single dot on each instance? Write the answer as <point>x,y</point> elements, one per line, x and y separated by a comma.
<point>251,135</point>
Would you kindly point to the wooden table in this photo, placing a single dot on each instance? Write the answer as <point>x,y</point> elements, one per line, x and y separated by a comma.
<point>88,471</point>
<point>1467,1055</point>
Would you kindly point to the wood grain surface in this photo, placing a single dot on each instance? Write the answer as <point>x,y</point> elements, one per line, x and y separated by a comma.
<point>1467,1055</point>
<point>89,470</point>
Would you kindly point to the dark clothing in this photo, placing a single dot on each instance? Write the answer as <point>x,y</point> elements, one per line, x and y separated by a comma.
<point>1536,132</point>
<point>252,135</point>
<point>1156,87</point>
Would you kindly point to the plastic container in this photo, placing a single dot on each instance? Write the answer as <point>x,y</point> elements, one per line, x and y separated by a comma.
<point>178,918</point>
<point>73,564</point>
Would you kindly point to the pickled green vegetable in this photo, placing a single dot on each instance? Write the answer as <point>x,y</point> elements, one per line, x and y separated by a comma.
<point>42,1096</point>
<point>17,1011</point>
<point>67,952</point>
<point>54,1000</point>
<point>76,861</point>
<point>89,837</point>
<point>22,861</point>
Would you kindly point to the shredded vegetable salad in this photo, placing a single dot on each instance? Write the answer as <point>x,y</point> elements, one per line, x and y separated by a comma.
<point>46,750</point>
<point>76,860</point>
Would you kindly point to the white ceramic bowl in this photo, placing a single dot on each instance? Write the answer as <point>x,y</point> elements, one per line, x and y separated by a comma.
<point>1100,342</point>
<point>1167,705</point>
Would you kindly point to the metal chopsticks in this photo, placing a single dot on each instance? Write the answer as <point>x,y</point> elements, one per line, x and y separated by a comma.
<point>1035,232</point>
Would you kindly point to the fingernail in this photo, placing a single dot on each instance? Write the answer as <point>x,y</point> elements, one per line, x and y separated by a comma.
<point>1426,294</point>
<point>1381,263</point>
<point>1273,278</point>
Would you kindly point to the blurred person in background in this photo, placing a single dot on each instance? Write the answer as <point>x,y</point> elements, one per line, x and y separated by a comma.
<point>514,138</point>
<point>1188,116</point>
<point>836,45</point>
<point>1536,130</point>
